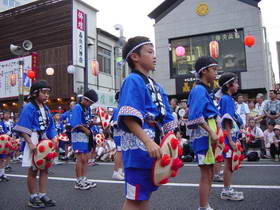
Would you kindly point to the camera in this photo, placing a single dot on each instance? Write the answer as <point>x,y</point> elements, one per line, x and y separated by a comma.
<point>272,112</point>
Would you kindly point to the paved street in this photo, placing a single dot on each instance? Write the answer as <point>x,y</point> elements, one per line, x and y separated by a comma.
<point>259,181</point>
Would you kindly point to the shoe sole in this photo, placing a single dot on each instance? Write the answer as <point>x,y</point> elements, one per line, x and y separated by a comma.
<point>231,199</point>
<point>78,188</point>
<point>35,207</point>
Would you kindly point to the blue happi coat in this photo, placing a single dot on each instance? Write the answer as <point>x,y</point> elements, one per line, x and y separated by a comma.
<point>138,101</point>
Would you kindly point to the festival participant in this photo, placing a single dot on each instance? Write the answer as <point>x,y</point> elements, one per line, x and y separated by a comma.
<point>228,83</point>
<point>202,114</point>
<point>82,139</point>
<point>9,125</point>
<point>118,168</point>
<point>35,124</point>
<point>3,176</point>
<point>144,112</point>
<point>65,118</point>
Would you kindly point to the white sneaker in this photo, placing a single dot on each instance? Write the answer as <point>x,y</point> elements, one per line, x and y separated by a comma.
<point>232,195</point>
<point>121,172</point>
<point>117,176</point>
<point>90,183</point>
<point>81,185</point>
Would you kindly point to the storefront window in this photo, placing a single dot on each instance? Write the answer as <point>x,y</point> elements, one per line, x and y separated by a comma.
<point>226,47</point>
<point>104,60</point>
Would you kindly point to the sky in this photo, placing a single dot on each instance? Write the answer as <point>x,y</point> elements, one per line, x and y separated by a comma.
<point>133,16</point>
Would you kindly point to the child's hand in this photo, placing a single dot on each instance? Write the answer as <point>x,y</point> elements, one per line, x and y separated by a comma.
<point>32,147</point>
<point>153,149</point>
<point>214,137</point>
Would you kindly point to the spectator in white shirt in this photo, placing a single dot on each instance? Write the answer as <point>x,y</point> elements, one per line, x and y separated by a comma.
<point>254,136</point>
<point>268,138</point>
<point>242,109</point>
<point>275,146</point>
<point>260,103</point>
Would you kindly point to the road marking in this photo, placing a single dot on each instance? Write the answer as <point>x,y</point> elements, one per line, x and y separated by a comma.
<point>194,165</point>
<point>277,187</point>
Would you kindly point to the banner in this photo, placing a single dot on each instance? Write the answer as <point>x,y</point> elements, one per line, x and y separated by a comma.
<point>9,77</point>
<point>78,38</point>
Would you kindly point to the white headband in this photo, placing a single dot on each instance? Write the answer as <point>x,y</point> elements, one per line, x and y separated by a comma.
<point>136,47</point>
<point>231,79</point>
<point>205,67</point>
<point>88,99</point>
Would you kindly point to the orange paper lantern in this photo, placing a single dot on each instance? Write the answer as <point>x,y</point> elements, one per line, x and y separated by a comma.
<point>94,67</point>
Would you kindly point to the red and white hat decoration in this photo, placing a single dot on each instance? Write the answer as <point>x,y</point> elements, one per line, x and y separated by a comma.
<point>7,144</point>
<point>62,137</point>
<point>170,162</point>
<point>237,157</point>
<point>99,138</point>
<point>220,148</point>
<point>45,154</point>
<point>104,117</point>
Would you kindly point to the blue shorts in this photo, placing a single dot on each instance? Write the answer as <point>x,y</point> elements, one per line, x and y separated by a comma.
<point>79,142</point>
<point>200,157</point>
<point>3,156</point>
<point>138,184</point>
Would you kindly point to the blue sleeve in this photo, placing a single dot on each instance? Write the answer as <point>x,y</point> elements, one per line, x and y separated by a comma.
<point>26,120</point>
<point>76,119</point>
<point>64,116</point>
<point>132,100</point>
<point>5,128</point>
<point>197,102</point>
<point>51,131</point>
<point>169,123</point>
<point>226,107</point>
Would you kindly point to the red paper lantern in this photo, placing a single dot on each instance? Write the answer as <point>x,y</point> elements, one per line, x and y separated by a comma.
<point>214,49</point>
<point>249,40</point>
<point>31,74</point>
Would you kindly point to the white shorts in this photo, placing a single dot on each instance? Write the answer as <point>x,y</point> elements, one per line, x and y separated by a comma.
<point>27,154</point>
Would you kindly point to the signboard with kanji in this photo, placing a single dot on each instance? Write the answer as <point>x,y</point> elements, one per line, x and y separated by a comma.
<point>78,38</point>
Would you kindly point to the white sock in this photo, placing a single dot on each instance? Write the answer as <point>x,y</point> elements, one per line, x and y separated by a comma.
<point>33,195</point>
<point>2,171</point>
<point>41,195</point>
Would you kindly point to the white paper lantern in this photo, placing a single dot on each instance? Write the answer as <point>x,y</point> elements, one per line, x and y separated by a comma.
<point>50,71</point>
<point>71,69</point>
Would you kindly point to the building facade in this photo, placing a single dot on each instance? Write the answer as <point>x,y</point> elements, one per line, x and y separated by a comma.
<point>216,28</point>
<point>64,34</point>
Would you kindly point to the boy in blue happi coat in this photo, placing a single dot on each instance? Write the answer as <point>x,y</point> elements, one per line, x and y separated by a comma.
<point>202,112</point>
<point>228,83</point>
<point>35,124</point>
<point>82,138</point>
<point>144,116</point>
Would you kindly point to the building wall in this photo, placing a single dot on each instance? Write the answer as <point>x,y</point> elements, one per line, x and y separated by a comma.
<point>223,15</point>
<point>48,26</point>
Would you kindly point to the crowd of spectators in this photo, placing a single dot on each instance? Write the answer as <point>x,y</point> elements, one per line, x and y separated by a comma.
<point>260,131</point>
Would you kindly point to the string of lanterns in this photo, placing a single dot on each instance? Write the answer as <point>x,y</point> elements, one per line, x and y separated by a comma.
<point>249,41</point>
